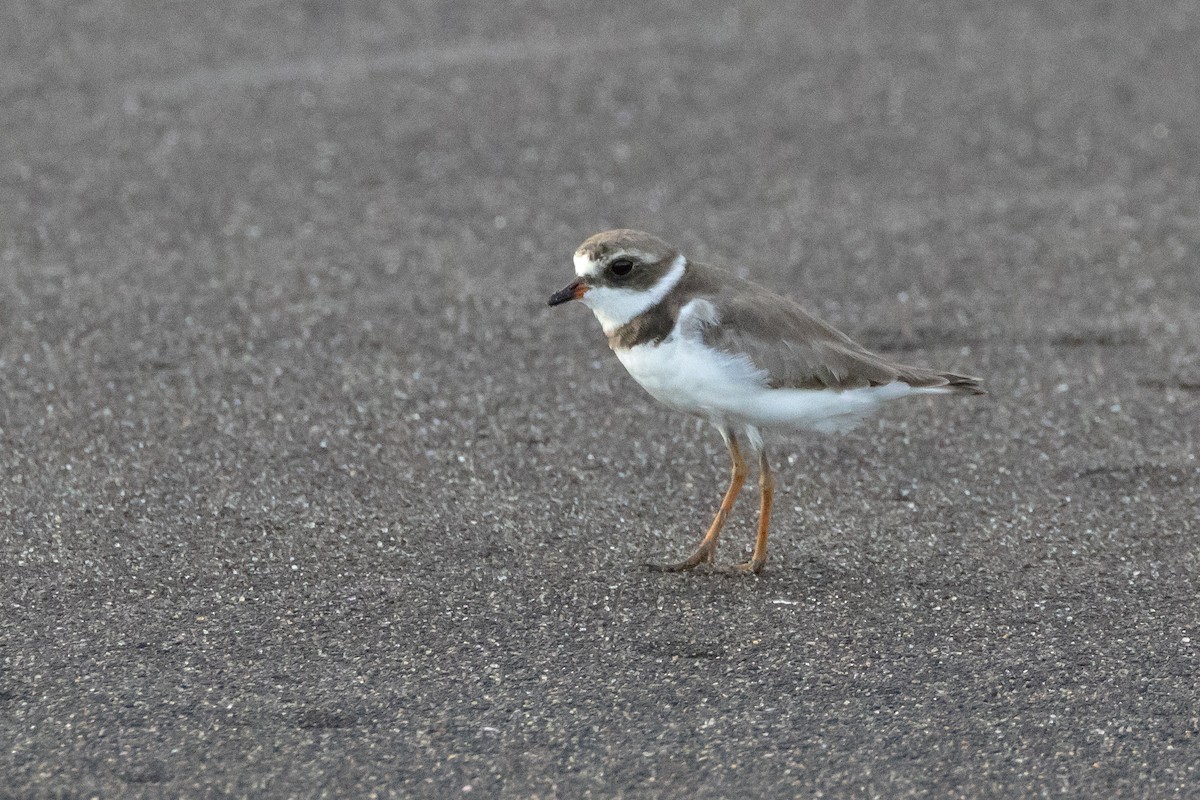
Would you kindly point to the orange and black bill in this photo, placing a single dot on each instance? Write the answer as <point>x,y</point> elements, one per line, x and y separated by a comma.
<point>573,291</point>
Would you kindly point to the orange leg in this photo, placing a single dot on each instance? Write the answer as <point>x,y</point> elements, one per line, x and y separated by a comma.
<point>766,487</point>
<point>706,551</point>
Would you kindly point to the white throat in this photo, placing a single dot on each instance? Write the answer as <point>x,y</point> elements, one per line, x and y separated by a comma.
<point>615,306</point>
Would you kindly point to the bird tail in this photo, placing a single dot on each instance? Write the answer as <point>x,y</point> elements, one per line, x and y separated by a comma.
<point>931,382</point>
<point>962,384</point>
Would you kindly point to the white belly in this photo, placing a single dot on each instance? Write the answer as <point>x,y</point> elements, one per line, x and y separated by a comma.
<point>686,375</point>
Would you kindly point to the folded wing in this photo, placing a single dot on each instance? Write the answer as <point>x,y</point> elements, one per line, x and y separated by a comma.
<point>798,351</point>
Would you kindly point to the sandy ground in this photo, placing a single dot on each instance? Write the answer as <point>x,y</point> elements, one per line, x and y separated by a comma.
<point>305,492</point>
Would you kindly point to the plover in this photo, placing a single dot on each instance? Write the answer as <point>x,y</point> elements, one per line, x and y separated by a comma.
<point>705,341</point>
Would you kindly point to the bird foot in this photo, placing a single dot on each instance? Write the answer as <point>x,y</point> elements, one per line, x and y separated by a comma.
<point>702,556</point>
<point>707,566</point>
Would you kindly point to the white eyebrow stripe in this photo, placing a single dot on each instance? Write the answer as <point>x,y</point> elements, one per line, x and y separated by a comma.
<point>636,255</point>
<point>586,265</point>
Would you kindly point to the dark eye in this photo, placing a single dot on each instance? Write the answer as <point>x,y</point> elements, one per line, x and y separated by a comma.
<point>621,267</point>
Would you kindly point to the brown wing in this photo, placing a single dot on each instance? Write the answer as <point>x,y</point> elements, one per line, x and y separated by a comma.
<point>799,351</point>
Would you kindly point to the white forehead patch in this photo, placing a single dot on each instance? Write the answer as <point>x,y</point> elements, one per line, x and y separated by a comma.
<point>584,265</point>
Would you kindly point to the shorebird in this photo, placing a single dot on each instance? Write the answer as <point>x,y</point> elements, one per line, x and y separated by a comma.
<point>704,341</point>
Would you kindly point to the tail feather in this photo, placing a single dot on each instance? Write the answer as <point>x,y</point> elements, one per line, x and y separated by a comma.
<point>941,382</point>
<point>962,384</point>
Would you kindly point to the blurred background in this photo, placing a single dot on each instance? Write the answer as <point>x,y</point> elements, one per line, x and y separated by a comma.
<point>303,488</point>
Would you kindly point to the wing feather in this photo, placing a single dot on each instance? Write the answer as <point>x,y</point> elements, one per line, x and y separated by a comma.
<point>798,351</point>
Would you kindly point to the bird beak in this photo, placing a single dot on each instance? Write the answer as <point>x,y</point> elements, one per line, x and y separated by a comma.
<point>572,291</point>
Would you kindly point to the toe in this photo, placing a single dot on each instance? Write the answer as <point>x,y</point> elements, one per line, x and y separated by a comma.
<point>702,556</point>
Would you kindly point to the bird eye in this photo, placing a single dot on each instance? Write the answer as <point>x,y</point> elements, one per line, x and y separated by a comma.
<point>621,267</point>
